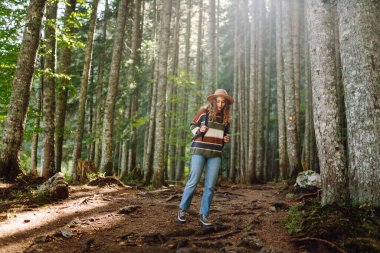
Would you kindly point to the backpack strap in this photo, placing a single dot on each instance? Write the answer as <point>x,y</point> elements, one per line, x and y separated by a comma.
<point>206,124</point>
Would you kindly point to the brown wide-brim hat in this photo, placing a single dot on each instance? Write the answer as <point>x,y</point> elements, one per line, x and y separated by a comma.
<point>221,93</point>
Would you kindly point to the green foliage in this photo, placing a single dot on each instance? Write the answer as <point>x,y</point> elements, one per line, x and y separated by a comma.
<point>12,14</point>
<point>138,122</point>
<point>92,176</point>
<point>23,195</point>
<point>293,222</point>
<point>351,227</point>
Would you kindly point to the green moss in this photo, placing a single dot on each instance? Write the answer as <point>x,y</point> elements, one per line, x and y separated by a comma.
<point>293,222</point>
<point>356,229</point>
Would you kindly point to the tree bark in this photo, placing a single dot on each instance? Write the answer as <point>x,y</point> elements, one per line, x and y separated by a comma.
<point>185,98</point>
<point>325,103</point>
<point>14,123</point>
<point>106,160</point>
<point>173,102</point>
<point>99,85</point>
<point>47,158</point>
<point>136,45</point>
<point>308,142</point>
<point>260,92</point>
<point>34,148</point>
<point>245,80</point>
<point>296,23</point>
<point>234,123</point>
<point>90,119</point>
<point>84,88</point>
<point>280,95</point>
<point>211,56</point>
<point>158,164</point>
<point>267,140</point>
<point>62,93</point>
<point>198,62</point>
<point>290,107</point>
<point>359,31</point>
<point>148,154</point>
<point>251,170</point>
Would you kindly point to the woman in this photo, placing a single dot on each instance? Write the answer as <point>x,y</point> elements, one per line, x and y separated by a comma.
<point>210,130</point>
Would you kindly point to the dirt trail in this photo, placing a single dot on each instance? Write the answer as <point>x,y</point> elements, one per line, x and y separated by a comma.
<point>116,219</point>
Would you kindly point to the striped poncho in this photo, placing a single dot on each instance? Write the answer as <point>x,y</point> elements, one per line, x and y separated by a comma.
<point>211,143</point>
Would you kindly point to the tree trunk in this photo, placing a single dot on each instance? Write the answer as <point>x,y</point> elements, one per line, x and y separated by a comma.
<point>339,79</point>
<point>60,110</point>
<point>234,123</point>
<point>198,62</point>
<point>211,56</point>
<point>14,123</point>
<point>290,103</point>
<point>148,154</point>
<point>90,120</point>
<point>185,101</point>
<point>252,97</point>
<point>84,88</point>
<point>34,148</point>
<point>260,92</point>
<point>48,104</point>
<point>99,84</point>
<point>158,165</point>
<point>267,140</point>
<point>359,31</point>
<point>125,146</point>
<point>136,45</point>
<point>173,99</point>
<point>217,42</point>
<point>245,81</point>
<point>325,103</point>
<point>148,169</point>
<point>106,160</point>
<point>307,144</point>
<point>296,23</point>
<point>280,95</point>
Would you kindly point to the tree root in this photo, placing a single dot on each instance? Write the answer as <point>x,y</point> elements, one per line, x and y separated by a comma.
<point>309,195</point>
<point>312,239</point>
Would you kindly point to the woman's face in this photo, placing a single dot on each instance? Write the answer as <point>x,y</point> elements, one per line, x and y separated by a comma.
<point>220,103</point>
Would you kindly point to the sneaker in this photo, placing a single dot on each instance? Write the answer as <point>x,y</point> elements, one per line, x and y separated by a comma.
<point>204,221</point>
<point>181,216</point>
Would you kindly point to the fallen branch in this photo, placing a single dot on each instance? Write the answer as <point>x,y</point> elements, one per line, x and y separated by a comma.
<point>173,197</point>
<point>219,236</point>
<point>328,243</point>
<point>242,212</point>
<point>85,201</point>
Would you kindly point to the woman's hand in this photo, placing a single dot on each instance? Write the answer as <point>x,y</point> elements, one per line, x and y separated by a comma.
<point>226,138</point>
<point>203,129</point>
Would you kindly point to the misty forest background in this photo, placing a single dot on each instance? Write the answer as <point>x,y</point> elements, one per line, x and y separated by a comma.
<point>114,84</point>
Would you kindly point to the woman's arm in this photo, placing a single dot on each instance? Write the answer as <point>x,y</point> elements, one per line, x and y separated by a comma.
<point>198,124</point>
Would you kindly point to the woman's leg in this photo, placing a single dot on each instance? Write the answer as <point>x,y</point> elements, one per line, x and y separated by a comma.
<point>197,164</point>
<point>211,176</point>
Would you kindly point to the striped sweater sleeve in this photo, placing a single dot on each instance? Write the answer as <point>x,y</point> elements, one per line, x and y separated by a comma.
<point>197,121</point>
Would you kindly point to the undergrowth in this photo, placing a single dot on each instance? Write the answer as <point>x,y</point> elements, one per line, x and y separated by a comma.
<point>352,228</point>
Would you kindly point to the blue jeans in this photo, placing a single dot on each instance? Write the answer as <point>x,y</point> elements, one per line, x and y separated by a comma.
<point>211,175</point>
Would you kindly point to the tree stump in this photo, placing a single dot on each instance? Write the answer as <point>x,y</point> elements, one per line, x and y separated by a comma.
<point>55,187</point>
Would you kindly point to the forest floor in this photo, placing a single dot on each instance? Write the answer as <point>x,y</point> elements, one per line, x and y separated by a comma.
<point>136,219</point>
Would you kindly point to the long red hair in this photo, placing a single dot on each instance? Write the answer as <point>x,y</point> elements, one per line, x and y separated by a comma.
<point>212,110</point>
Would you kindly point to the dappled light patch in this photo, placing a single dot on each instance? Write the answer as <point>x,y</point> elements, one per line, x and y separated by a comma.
<point>114,219</point>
